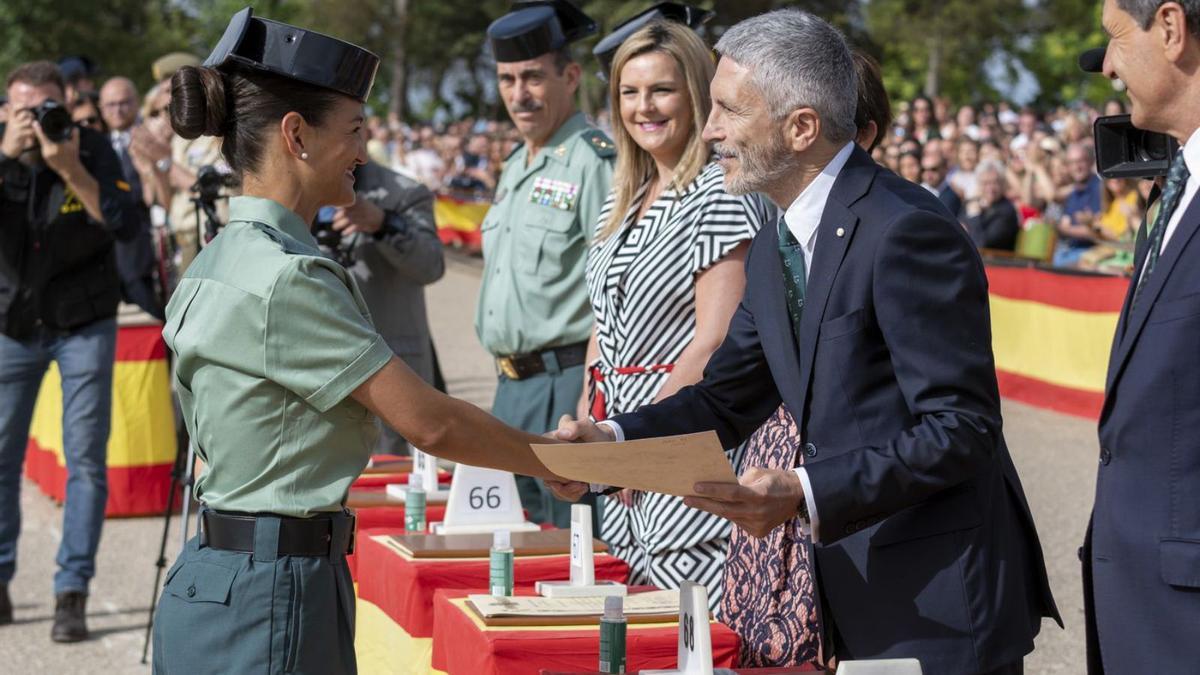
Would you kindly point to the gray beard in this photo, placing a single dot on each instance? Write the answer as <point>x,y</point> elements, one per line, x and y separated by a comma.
<point>761,167</point>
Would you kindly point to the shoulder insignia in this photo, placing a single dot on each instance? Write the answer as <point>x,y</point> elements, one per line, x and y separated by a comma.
<point>601,144</point>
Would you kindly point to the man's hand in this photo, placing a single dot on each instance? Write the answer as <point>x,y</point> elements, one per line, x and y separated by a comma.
<point>62,158</point>
<point>18,135</point>
<point>577,431</point>
<point>364,217</point>
<point>582,431</point>
<point>567,490</point>
<point>763,499</point>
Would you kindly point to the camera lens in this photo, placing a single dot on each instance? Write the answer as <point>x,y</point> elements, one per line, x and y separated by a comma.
<point>1150,147</point>
<point>55,121</point>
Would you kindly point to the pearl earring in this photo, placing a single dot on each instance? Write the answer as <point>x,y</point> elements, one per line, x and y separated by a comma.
<point>304,155</point>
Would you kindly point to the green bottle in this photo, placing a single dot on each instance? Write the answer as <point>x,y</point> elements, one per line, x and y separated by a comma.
<point>500,565</point>
<point>414,505</point>
<point>612,635</point>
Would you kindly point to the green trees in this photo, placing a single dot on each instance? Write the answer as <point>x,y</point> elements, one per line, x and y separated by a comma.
<point>436,47</point>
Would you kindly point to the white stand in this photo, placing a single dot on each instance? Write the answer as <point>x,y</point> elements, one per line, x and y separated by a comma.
<point>695,634</point>
<point>583,572</point>
<point>482,501</point>
<point>880,667</point>
<point>425,466</point>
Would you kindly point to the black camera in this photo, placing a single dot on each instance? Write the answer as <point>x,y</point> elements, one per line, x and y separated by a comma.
<point>54,119</point>
<point>209,182</point>
<point>330,240</point>
<point>1124,151</point>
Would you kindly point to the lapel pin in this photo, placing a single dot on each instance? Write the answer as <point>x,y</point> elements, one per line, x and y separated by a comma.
<point>841,232</point>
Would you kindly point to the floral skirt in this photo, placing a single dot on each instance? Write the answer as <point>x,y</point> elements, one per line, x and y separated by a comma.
<point>769,597</point>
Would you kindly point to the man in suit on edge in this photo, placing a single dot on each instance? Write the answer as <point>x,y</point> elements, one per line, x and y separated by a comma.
<point>870,321</point>
<point>1141,556</point>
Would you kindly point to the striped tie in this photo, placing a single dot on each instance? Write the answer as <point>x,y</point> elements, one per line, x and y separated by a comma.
<point>1177,179</point>
<point>795,281</point>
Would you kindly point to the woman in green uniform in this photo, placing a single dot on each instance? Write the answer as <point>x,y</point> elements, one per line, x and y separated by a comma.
<point>279,369</point>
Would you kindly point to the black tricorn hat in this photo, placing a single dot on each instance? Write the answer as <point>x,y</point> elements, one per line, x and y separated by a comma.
<point>606,48</point>
<point>536,27</point>
<point>304,55</point>
<point>1092,61</point>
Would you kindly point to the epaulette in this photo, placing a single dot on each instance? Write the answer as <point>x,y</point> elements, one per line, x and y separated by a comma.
<point>601,144</point>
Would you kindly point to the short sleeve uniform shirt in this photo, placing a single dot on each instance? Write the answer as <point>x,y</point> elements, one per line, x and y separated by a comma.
<point>270,338</point>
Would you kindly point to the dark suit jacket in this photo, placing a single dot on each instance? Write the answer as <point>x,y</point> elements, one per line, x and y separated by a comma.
<point>1142,555</point>
<point>927,548</point>
<point>996,227</point>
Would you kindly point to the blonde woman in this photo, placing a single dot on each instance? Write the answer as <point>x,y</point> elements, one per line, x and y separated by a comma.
<point>664,276</point>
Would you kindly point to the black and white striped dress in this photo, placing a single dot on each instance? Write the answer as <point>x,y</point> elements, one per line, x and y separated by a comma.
<point>642,284</point>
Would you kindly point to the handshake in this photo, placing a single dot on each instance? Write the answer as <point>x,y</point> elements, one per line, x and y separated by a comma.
<point>762,500</point>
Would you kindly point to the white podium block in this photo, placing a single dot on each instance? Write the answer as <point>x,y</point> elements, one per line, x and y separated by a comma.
<point>482,501</point>
<point>424,466</point>
<point>583,571</point>
<point>880,667</point>
<point>695,633</point>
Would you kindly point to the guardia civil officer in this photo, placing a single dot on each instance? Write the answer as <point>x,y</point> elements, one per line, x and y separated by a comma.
<point>279,367</point>
<point>533,312</point>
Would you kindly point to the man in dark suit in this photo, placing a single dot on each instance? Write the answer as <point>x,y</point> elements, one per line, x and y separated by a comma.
<point>1141,556</point>
<point>933,178</point>
<point>866,312</point>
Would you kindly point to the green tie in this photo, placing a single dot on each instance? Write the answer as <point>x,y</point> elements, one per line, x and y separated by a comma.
<point>794,276</point>
<point>1177,178</point>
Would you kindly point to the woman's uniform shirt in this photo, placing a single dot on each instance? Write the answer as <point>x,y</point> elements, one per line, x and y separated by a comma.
<point>270,338</point>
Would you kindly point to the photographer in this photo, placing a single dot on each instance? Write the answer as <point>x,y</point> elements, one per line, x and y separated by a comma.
<point>62,203</point>
<point>389,242</point>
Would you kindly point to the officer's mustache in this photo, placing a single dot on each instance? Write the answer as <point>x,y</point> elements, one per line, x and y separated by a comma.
<point>527,106</point>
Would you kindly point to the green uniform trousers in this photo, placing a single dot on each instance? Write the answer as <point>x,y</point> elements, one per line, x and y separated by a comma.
<point>225,612</point>
<point>534,404</point>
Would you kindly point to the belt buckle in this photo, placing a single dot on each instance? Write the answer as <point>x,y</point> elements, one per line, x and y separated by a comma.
<point>508,367</point>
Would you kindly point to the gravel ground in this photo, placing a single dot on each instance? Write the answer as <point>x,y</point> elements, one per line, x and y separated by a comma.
<point>1054,453</point>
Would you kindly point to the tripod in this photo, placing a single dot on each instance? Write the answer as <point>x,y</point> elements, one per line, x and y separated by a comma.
<point>182,478</point>
<point>182,474</point>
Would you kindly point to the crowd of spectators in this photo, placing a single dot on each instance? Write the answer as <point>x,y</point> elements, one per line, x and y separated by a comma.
<point>1021,180</point>
<point>463,157</point>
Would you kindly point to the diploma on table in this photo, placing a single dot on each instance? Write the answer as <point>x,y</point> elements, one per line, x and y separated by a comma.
<point>669,465</point>
<point>652,603</point>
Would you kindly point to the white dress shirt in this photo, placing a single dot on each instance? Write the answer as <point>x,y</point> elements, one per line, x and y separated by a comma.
<point>802,219</point>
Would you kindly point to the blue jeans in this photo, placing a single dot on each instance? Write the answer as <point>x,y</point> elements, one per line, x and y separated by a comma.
<point>85,360</point>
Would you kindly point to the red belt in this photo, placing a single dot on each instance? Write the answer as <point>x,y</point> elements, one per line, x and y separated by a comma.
<point>599,410</point>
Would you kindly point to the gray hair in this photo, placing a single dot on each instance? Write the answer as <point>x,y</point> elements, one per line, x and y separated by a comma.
<point>989,166</point>
<point>797,60</point>
<point>1143,12</point>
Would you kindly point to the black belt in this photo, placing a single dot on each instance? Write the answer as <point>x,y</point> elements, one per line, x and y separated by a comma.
<point>316,536</point>
<point>522,366</point>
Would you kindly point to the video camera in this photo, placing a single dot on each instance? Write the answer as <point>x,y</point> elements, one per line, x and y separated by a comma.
<point>331,242</point>
<point>207,188</point>
<point>1123,150</point>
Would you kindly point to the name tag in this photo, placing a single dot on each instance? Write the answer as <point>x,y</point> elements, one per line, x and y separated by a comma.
<point>555,193</point>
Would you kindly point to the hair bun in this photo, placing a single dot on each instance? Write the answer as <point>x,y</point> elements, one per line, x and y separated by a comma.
<point>198,102</point>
